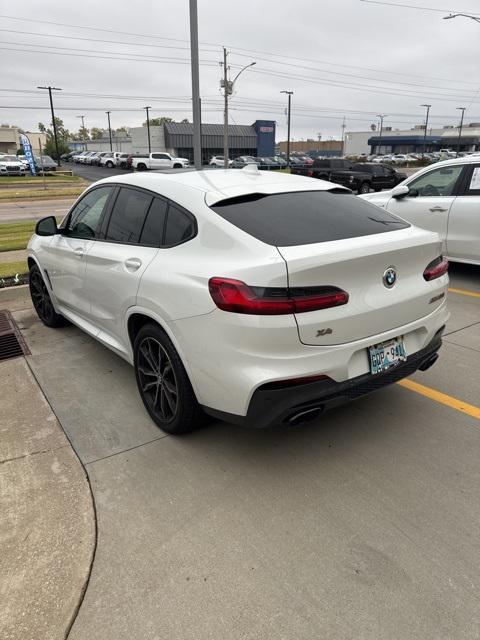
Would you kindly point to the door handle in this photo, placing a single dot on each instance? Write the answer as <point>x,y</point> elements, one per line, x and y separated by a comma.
<point>79,252</point>
<point>438,208</point>
<point>133,264</point>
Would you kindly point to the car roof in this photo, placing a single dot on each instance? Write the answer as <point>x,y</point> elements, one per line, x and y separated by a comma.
<point>220,184</point>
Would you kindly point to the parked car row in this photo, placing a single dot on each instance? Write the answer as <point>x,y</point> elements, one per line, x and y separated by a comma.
<point>12,165</point>
<point>359,177</point>
<point>264,162</point>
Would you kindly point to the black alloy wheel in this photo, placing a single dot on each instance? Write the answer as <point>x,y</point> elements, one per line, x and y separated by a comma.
<point>157,379</point>
<point>163,383</point>
<point>42,301</point>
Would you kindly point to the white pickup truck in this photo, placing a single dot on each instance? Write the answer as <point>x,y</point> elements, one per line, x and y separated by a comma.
<point>157,160</point>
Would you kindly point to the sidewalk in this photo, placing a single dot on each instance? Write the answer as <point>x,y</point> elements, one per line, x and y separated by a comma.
<point>47,528</point>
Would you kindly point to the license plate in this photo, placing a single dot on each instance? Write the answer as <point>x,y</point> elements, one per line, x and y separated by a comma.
<point>386,355</point>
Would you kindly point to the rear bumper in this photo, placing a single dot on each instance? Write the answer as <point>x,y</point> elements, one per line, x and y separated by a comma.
<point>293,405</point>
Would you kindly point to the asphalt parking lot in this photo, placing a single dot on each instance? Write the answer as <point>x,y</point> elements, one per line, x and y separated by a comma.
<point>360,525</point>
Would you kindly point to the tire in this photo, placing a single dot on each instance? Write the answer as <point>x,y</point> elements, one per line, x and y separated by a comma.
<point>377,189</point>
<point>172,405</point>
<point>364,188</point>
<point>141,166</point>
<point>177,166</point>
<point>109,164</point>
<point>42,302</point>
<point>323,177</point>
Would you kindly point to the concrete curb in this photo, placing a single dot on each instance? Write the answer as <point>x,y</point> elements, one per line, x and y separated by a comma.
<point>48,524</point>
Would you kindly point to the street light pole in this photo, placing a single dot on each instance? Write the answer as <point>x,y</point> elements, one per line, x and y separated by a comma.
<point>289,94</point>
<point>109,129</point>
<point>54,124</point>
<point>148,130</point>
<point>461,15</point>
<point>462,109</point>
<point>197,125</point>
<point>426,125</point>
<point>381,116</point>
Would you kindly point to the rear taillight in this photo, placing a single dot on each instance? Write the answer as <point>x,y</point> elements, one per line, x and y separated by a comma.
<point>436,268</point>
<point>237,297</point>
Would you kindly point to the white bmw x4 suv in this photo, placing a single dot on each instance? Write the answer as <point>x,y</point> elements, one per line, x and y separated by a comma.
<point>251,296</point>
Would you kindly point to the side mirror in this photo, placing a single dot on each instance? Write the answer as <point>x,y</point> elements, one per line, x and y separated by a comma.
<point>400,191</point>
<point>46,226</point>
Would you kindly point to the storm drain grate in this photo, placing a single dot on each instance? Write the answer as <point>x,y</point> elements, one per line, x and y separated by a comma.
<point>12,343</point>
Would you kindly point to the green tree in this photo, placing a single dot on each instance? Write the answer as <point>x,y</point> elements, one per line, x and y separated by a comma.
<point>96,133</point>
<point>63,135</point>
<point>157,122</point>
<point>122,130</point>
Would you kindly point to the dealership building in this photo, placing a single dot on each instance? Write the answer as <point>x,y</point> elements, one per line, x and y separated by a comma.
<point>257,139</point>
<point>412,140</point>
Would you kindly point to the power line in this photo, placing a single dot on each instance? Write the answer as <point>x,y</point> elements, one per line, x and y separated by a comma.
<point>361,77</point>
<point>410,6</point>
<point>128,44</point>
<point>367,88</point>
<point>232,48</point>
<point>83,55</point>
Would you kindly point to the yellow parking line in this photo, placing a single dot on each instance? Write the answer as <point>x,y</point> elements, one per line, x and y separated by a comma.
<point>438,396</point>
<point>464,292</point>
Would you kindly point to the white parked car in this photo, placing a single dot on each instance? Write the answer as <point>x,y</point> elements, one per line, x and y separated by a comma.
<point>256,297</point>
<point>110,159</point>
<point>219,161</point>
<point>158,160</point>
<point>445,198</point>
<point>10,165</point>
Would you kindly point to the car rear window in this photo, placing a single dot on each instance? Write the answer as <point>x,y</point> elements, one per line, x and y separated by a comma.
<point>306,217</point>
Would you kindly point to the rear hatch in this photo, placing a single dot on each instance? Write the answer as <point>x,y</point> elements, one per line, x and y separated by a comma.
<point>357,266</point>
<point>334,242</point>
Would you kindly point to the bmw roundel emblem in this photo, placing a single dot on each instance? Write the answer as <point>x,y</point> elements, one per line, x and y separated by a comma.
<point>389,277</point>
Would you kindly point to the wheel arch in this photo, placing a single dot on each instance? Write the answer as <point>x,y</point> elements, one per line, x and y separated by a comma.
<point>138,318</point>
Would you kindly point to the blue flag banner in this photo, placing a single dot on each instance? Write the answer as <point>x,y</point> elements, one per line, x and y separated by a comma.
<point>27,149</point>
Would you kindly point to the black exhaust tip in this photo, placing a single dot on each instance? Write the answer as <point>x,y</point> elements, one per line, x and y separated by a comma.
<point>299,417</point>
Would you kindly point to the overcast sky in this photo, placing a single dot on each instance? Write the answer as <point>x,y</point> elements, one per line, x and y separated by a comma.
<point>341,58</point>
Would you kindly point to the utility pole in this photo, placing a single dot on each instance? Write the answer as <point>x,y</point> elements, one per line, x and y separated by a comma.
<point>227,86</point>
<point>54,124</point>
<point>148,130</point>
<point>343,136</point>
<point>289,94</point>
<point>381,116</point>
<point>197,125</point>
<point>226,91</point>
<point>83,131</point>
<point>426,125</point>
<point>462,109</point>
<point>109,129</point>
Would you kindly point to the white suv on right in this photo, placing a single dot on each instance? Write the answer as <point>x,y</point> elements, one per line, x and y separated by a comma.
<point>445,198</point>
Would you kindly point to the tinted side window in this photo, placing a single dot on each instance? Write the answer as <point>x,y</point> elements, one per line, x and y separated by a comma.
<point>306,217</point>
<point>152,234</point>
<point>83,220</point>
<point>180,226</point>
<point>128,215</point>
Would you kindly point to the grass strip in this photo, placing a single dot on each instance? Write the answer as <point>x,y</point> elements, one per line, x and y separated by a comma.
<point>28,194</point>
<point>38,179</point>
<point>8,269</point>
